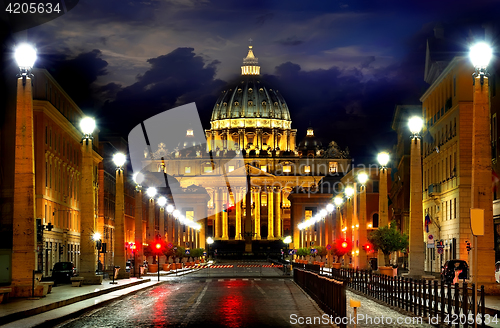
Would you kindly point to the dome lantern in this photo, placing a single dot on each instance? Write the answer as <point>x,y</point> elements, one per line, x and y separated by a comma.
<point>250,63</point>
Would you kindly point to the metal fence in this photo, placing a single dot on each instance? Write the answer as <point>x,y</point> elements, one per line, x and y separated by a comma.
<point>328,293</point>
<point>452,305</point>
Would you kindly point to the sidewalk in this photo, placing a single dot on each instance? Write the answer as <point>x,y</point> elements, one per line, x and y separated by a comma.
<point>15,310</point>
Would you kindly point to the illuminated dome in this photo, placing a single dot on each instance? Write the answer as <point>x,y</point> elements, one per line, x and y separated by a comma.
<point>250,97</point>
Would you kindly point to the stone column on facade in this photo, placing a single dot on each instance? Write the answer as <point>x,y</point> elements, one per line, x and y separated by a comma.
<point>481,195</point>
<point>349,229</point>
<point>241,138</point>
<point>139,251</point>
<point>151,226</point>
<point>363,255</point>
<point>218,210</point>
<point>88,251</point>
<point>270,213</point>
<point>277,213</point>
<point>208,135</point>
<point>328,234</point>
<point>416,246</point>
<point>293,140</point>
<point>24,227</point>
<point>257,212</point>
<point>238,215</point>
<point>355,223</point>
<point>119,247</point>
<point>225,221</point>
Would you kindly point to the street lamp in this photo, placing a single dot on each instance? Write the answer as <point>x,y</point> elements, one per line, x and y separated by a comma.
<point>120,254</point>
<point>151,192</point>
<point>119,159</point>
<point>383,158</point>
<point>170,208</point>
<point>210,241</point>
<point>338,201</point>
<point>416,257</point>
<point>87,125</point>
<point>349,191</point>
<point>24,249</point>
<point>162,201</point>
<point>150,229</point>
<point>330,207</point>
<point>362,233</point>
<point>481,195</point>
<point>383,204</point>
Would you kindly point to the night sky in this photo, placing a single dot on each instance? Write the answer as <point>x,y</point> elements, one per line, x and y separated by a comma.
<point>342,66</point>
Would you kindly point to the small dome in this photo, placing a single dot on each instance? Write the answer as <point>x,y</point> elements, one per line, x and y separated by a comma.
<point>310,142</point>
<point>189,141</point>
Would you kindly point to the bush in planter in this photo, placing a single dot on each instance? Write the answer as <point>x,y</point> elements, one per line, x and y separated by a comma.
<point>302,252</point>
<point>388,239</point>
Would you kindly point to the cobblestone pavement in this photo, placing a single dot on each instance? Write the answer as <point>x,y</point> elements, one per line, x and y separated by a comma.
<point>374,315</point>
<point>236,302</point>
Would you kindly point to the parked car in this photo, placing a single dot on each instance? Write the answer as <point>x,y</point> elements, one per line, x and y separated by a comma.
<point>63,271</point>
<point>497,272</point>
<point>449,268</point>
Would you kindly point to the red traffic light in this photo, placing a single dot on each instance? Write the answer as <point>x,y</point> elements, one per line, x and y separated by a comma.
<point>158,246</point>
<point>134,246</point>
<point>344,244</point>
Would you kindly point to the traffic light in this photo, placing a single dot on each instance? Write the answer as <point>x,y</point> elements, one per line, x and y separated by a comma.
<point>367,247</point>
<point>468,246</point>
<point>344,245</point>
<point>158,246</point>
<point>39,230</point>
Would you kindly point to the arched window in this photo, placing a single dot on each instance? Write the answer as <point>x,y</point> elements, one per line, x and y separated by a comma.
<point>375,220</point>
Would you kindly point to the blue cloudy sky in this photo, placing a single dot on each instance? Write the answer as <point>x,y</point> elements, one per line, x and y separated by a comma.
<point>341,65</point>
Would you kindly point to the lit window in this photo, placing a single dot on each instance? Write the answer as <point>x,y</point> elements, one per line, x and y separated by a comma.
<point>207,169</point>
<point>333,167</point>
<point>189,132</point>
<point>287,168</point>
<point>263,168</point>
<point>187,169</point>
<point>230,168</point>
<point>307,169</point>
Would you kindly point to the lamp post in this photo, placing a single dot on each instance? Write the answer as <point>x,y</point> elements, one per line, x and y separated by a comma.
<point>350,194</point>
<point>328,230</point>
<point>96,237</point>
<point>483,254</point>
<point>24,229</point>
<point>162,202</point>
<point>139,252</point>
<point>362,179</point>
<point>88,216</point>
<point>416,245</point>
<point>383,215</point>
<point>151,192</point>
<point>210,241</point>
<point>120,260</point>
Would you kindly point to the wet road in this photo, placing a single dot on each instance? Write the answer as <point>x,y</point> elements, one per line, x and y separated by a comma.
<point>209,302</point>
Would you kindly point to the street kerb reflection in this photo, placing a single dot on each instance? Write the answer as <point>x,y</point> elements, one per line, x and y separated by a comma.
<point>177,136</point>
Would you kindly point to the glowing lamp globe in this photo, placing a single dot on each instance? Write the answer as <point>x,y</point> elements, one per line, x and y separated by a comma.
<point>383,159</point>
<point>338,201</point>
<point>151,192</point>
<point>480,54</point>
<point>210,241</point>
<point>158,246</point>
<point>138,178</point>
<point>119,159</point>
<point>96,236</point>
<point>330,208</point>
<point>287,240</point>
<point>415,124</point>
<point>170,208</point>
<point>323,213</point>
<point>176,213</point>
<point>349,191</point>
<point>344,244</point>
<point>25,56</point>
<point>87,125</point>
<point>362,178</point>
<point>162,201</point>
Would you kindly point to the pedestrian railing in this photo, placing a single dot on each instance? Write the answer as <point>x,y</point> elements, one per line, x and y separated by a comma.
<point>447,304</point>
<point>328,293</point>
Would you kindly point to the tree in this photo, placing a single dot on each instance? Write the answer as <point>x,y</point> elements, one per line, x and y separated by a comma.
<point>321,250</point>
<point>388,239</point>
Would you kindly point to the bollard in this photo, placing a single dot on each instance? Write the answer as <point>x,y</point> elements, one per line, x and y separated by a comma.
<point>355,304</point>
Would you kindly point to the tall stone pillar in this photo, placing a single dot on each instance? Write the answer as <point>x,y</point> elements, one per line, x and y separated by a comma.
<point>238,215</point>
<point>170,232</point>
<point>257,212</point>
<point>481,195</point>
<point>88,251</point>
<point>162,230</point>
<point>225,221</point>
<point>139,251</point>
<point>241,138</point>
<point>328,234</point>
<point>349,230</point>
<point>119,247</point>
<point>355,223</point>
<point>363,255</point>
<point>277,212</point>
<point>382,199</point>
<point>208,135</point>
<point>218,210</point>
<point>270,213</point>
<point>24,223</point>
<point>416,255</point>
<point>151,226</point>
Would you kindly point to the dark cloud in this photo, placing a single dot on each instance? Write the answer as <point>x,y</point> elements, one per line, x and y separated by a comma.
<point>174,79</point>
<point>77,74</point>
<point>290,41</point>
<point>264,18</point>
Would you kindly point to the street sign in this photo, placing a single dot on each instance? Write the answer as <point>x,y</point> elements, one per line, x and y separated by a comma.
<point>187,252</point>
<point>187,244</point>
<point>204,253</point>
<point>291,251</point>
<point>440,250</point>
<point>313,250</point>
<point>170,245</point>
<point>430,245</point>
<point>328,247</point>
<point>312,243</point>
<point>431,237</point>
